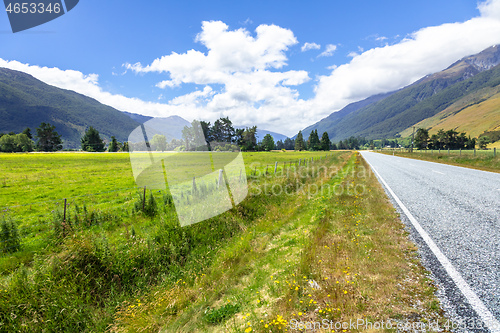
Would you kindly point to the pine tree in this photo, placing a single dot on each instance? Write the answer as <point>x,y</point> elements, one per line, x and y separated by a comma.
<point>325,141</point>
<point>48,138</point>
<point>92,141</point>
<point>299,142</point>
<point>268,142</point>
<point>114,145</point>
<point>313,142</point>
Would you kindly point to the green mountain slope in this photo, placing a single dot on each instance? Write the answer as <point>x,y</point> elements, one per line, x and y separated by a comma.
<point>421,100</point>
<point>26,102</point>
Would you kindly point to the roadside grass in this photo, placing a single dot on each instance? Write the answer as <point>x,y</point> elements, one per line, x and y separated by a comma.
<point>483,160</point>
<point>336,252</point>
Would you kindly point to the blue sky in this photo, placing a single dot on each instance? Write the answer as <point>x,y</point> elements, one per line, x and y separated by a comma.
<point>248,59</point>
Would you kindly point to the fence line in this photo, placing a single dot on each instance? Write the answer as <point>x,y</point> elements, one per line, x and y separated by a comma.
<point>27,228</point>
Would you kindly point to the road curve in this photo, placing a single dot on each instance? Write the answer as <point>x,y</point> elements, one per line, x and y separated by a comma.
<point>453,214</point>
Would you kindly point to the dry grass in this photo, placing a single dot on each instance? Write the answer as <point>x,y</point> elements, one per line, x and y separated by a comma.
<point>336,256</point>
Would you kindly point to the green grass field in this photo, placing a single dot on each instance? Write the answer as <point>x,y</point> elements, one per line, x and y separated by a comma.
<point>484,159</point>
<point>114,266</point>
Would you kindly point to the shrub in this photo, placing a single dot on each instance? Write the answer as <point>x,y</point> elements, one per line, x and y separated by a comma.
<point>9,237</point>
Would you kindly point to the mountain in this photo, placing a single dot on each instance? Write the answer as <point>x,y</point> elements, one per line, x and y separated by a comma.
<point>325,124</point>
<point>27,102</point>
<point>276,136</point>
<point>394,114</point>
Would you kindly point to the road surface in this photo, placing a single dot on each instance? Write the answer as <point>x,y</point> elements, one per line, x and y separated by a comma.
<point>453,214</point>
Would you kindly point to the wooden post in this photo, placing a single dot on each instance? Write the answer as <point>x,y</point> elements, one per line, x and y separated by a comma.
<point>474,152</point>
<point>448,151</point>
<point>220,178</point>
<point>194,185</point>
<point>275,166</point>
<point>255,172</point>
<point>144,199</point>
<point>267,166</point>
<point>460,152</point>
<point>299,162</point>
<point>64,215</point>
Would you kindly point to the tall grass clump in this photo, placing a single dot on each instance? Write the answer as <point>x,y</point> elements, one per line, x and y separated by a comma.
<point>10,241</point>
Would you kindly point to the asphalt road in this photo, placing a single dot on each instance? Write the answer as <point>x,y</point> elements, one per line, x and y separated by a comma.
<point>453,214</point>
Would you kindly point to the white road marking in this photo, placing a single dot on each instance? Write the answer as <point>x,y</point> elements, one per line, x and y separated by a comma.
<point>441,173</point>
<point>489,320</point>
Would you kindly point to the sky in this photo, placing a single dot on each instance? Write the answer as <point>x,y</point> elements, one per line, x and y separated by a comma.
<point>280,65</point>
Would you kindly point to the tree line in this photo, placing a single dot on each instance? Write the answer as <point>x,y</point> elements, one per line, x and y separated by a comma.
<point>449,139</point>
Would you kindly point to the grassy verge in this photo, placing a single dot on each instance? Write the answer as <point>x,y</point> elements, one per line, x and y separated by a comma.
<point>74,280</point>
<point>483,160</point>
<point>334,250</point>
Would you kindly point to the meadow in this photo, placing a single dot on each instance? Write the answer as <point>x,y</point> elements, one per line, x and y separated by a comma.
<point>309,242</point>
<point>483,160</point>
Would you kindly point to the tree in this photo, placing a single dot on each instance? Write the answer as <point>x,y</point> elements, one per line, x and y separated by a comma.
<point>422,138</point>
<point>27,131</point>
<point>207,131</point>
<point>23,143</point>
<point>289,144</point>
<point>483,141</point>
<point>124,147</point>
<point>249,140</point>
<point>299,142</point>
<point>159,142</point>
<point>325,142</point>
<point>268,142</point>
<point>7,143</point>
<point>280,145</point>
<point>114,145</point>
<point>48,138</point>
<point>223,130</point>
<point>313,141</point>
<point>91,141</point>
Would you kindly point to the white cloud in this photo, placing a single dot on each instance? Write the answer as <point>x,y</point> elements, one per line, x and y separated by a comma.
<point>490,9</point>
<point>391,67</point>
<point>310,46</point>
<point>330,49</point>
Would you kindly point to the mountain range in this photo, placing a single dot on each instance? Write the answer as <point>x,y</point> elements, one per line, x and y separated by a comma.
<point>464,97</point>
<point>27,102</point>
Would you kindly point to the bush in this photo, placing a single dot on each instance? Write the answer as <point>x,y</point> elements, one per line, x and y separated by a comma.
<point>9,237</point>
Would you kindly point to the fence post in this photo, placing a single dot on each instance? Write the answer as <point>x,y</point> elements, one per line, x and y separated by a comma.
<point>220,178</point>
<point>460,151</point>
<point>64,216</point>
<point>255,172</point>
<point>275,166</point>
<point>448,151</point>
<point>194,184</point>
<point>299,162</point>
<point>267,166</point>
<point>474,152</point>
<point>144,199</point>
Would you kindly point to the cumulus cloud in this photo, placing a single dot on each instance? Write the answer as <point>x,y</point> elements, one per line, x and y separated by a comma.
<point>248,67</point>
<point>328,52</point>
<point>310,46</point>
<point>391,67</point>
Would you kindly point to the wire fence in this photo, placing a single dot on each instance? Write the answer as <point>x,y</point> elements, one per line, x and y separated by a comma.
<point>452,152</point>
<point>27,226</point>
